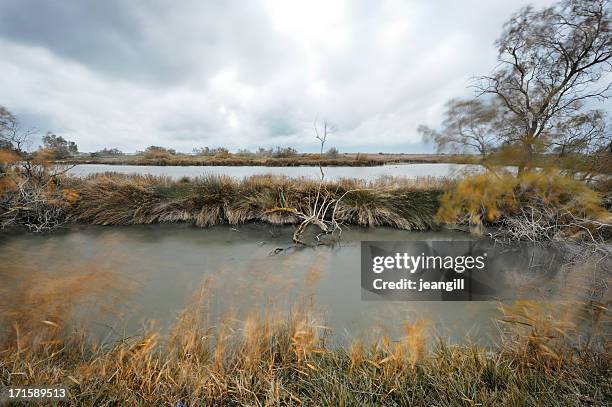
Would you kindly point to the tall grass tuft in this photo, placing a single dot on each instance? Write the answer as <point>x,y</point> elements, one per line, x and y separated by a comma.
<point>113,199</point>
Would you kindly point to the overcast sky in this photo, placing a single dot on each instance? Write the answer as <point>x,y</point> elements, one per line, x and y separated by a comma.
<point>242,74</point>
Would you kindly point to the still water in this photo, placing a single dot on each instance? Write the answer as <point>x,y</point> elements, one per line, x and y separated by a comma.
<point>148,272</point>
<point>367,173</point>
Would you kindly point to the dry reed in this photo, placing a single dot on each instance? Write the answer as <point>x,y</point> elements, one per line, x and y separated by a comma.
<point>272,358</point>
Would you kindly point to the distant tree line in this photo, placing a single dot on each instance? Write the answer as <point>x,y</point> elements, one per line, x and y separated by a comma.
<point>157,152</point>
<point>207,151</point>
<point>281,152</point>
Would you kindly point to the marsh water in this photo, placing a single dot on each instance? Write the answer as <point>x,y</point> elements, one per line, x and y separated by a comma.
<point>367,173</point>
<point>148,273</point>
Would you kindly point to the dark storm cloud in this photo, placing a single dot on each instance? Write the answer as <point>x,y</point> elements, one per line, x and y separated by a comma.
<point>100,34</point>
<point>152,40</point>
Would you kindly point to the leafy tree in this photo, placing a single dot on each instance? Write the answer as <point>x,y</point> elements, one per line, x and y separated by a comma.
<point>60,147</point>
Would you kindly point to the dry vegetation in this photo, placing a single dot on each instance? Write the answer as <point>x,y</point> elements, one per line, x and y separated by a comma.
<point>534,206</point>
<point>113,199</point>
<point>267,359</point>
<point>31,191</point>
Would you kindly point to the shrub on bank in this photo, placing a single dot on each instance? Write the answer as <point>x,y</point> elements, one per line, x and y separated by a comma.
<point>535,205</point>
<point>31,191</point>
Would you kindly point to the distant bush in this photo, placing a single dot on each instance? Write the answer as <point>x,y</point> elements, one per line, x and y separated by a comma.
<point>108,152</point>
<point>332,153</point>
<point>284,152</point>
<point>210,152</point>
<point>156,152</point>
<point>244,152</point>
<point>262,152</point>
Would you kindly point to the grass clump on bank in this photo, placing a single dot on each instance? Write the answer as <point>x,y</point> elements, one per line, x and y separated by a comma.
<point>533,206</point>
<point>272,359</point>
<point>114,199</point>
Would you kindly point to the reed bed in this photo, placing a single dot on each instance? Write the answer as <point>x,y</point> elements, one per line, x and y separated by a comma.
<point>272,358</point>
<point>115,199</point>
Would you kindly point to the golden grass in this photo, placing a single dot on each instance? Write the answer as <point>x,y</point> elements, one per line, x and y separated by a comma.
<point>37,305</point>
<point>271,357</point>
<point>535,205</point>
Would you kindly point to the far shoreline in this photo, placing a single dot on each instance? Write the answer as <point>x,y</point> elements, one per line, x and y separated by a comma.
<point>300,160</point>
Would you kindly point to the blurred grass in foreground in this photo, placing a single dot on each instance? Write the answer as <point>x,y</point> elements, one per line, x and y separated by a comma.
<point>549,354</point>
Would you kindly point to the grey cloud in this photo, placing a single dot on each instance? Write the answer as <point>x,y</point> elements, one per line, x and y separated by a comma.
<point>101,34</point>
<point>146,40</point>
<point>242,73</point>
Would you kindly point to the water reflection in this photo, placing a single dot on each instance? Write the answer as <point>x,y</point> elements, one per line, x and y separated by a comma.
<point>331,173</point>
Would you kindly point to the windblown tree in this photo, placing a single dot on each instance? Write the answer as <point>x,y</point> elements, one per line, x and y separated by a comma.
<point>12,136</point>
<point>537,107</point>
<point>554,64</point>
<point>586,133</point>
<point>468,126</point>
